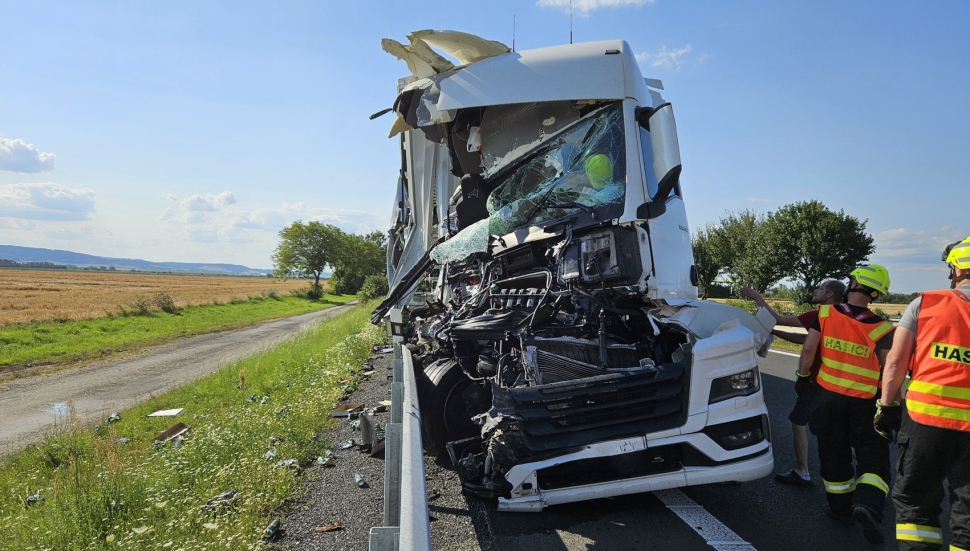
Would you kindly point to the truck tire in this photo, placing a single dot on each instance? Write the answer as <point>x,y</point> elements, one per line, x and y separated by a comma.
<point>448,400</point>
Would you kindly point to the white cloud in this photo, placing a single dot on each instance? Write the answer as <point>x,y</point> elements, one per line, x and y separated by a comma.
<point>207,202</point>
<point>666,59</point>
<point>45,201</point>
<point>20,156</point>
<point>921,247</point>
<point>584,7</point>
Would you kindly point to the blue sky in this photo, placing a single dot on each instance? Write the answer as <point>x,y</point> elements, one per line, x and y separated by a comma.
<point>194,131</point>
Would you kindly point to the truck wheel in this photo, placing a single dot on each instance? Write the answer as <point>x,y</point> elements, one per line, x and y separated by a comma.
<point>448,400</point>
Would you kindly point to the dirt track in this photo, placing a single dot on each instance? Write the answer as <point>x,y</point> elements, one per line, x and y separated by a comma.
<point>32,405</point>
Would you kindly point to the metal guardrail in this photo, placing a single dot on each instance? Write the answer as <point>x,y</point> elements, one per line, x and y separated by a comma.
<point>406,519</point>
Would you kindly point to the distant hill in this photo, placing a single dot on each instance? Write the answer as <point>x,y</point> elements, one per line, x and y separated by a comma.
<point>31,254</point>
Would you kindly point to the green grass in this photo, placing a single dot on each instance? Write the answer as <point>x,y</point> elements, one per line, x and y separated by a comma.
<point>102,494</point>
<point>61,342</point>
<point>782,344</point>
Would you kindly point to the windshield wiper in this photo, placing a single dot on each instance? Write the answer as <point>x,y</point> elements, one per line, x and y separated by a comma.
<point>584,208</point>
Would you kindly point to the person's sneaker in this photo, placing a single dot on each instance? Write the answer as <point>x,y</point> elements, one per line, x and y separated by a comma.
<point>845,518</point>
<point>792,477</point>
<point>870,526</point>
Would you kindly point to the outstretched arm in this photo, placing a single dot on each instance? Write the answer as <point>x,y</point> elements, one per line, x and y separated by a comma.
<point>789,321</point>
<point>796,338</point>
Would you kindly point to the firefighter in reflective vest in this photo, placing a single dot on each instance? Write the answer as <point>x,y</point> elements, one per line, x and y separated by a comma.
<point>853,343</point>
<point>933,340</point>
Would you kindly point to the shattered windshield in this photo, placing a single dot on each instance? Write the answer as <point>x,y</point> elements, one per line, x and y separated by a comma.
<point>585,166</point>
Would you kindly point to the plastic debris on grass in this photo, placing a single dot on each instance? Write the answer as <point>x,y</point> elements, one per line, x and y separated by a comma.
<point>176,431</point>
<point>273,531</point>
<point>222,501</point>
<point>167,412</point>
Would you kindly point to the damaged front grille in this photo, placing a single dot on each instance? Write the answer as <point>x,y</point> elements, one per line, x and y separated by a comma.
<point>602,407</point>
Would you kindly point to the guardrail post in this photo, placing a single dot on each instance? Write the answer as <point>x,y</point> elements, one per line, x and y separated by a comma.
<point>392,474</point>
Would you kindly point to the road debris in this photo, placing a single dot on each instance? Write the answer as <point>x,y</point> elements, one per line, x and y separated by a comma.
<point>347,445</point>
<point>177,430</point>
<point>360,481</point>
<point>271,454</point>
<point>113,418</point>
<point>328,528</point>
<point>273,531</point>
<point>224,500</point>
<point>293,464</point>
<point>264,401</point>
<point>34,499</point>
<point>344,410</point>
<point>167,412</point>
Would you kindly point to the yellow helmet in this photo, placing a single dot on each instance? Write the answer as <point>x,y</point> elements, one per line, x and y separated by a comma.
<point>958,254</point>
<point>872,276</point>
<point>599,170</point>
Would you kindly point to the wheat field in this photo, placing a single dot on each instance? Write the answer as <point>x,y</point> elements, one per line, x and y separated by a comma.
<point>45,295</point>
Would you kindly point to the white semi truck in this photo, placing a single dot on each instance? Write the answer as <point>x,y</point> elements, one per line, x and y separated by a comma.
<point>541,273</point>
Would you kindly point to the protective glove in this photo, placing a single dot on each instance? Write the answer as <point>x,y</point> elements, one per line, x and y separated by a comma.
<point>888,419</point>
<point>803,384</point>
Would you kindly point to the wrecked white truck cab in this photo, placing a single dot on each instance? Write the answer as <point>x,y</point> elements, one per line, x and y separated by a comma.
<point>541,272</point>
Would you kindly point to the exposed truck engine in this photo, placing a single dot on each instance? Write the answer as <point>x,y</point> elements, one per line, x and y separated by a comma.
<point>542,277</point>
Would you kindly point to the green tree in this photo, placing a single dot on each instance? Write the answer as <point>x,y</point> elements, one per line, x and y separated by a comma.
<point>706,259</point>
<point>306,249</point>
<point>737,242</point>
<point>810,243</point>
<point>359,256</point>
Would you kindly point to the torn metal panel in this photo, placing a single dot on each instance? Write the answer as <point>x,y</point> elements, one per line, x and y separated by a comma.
<point>466,48</point>
<point>705,318</point>
<point>421,59</point>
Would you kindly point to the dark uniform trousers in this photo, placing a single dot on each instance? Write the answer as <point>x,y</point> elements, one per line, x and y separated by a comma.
<point>926,456</point>
<point>843,423</point>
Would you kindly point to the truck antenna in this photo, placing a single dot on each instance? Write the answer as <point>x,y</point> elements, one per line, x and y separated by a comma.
<point>570,21</point>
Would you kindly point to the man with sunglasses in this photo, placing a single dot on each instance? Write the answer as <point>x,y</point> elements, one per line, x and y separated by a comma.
<point>828,292</point>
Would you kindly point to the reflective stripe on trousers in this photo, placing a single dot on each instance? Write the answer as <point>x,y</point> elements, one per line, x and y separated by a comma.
<point>918,532</point>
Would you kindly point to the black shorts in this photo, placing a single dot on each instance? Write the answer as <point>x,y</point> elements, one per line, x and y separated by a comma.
<point>803,408</point>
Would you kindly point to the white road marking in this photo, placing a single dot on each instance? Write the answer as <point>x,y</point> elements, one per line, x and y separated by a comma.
<point>714,532</point>
<point>786,353</point>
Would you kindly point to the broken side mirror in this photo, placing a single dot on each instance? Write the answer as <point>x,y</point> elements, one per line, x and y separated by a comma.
<point>659,122</point>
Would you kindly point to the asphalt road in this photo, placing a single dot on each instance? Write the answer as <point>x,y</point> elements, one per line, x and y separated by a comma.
<point>33,405</point>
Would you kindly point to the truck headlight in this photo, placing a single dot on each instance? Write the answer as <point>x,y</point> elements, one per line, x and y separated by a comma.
<point>740,384</point>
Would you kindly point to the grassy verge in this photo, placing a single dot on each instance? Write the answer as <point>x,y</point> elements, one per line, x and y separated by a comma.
<point>101,493</point>
<point>782,344</point>
<point>52,343</point>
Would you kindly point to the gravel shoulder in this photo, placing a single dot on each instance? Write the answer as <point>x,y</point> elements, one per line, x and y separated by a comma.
<point>35,404</point>
<point>458,522</point>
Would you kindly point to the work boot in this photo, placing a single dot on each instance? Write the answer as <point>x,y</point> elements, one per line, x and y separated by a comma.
<point>870,526</point>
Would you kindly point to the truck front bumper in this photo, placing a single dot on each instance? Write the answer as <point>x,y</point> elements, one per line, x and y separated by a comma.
<point>643,464</point>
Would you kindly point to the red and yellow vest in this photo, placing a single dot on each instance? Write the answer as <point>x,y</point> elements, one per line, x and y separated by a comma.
<point>848,350</point>
<point>939,392</point>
